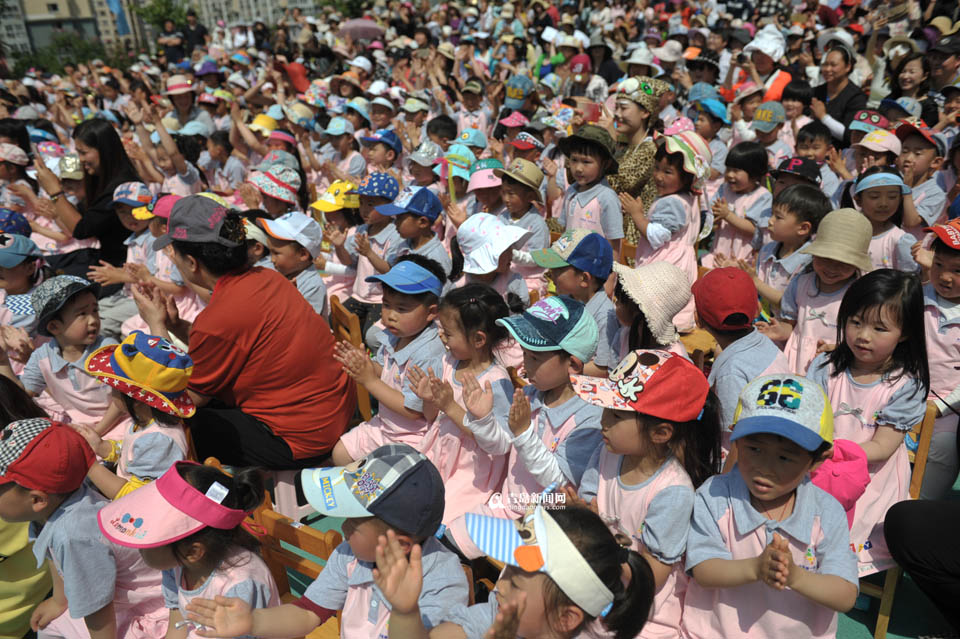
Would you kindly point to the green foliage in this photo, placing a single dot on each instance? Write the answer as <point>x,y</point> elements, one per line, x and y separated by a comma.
<point>67,47</point>
<point>156,12</point>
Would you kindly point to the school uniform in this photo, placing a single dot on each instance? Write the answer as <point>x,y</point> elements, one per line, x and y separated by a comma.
<point>718,162</point>
<point>891,249</point>
<point>433,249</point>
<point>726,526</point>
<point>931,204</point>
<point>310,284</point>
<point>148,451</point>
<point>778,152</point>
<point>602,310</point>
<point>776,271</point>
<point>366,297</point>
<point>814,314</point>
<point>596,209</point>
<point>533,221</point>
<point>729,241</point>
<point>230,175</point>
<point>119,307</point>
<point>829,182</point>
<point>183,184</point>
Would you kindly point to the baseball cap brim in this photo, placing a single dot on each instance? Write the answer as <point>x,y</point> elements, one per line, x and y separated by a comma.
<point>329,494</point>
<point>523,146</point>
<point>768,424</point>
<point>514,103</point>
<point>548,258</point>
<point>944,234</point>
<point>390,210</point>
<point>527,334</point>
<point>277,229</point>
<point>764,127</point>
<point>163,241</point>
<point>134,203</point>
<point>407,285</point>
<point>118,520</point>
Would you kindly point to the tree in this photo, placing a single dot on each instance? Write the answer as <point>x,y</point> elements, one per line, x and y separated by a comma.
<point>65,47</point>
<point>156,12</point>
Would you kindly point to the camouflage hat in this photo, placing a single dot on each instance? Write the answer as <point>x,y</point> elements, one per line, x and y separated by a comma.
<point>595,136</point>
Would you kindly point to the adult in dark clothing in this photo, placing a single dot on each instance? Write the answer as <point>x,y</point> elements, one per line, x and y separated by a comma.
<point>171,41</point>
<point>837,100</point>
<point>106,166</point>
<point>194,33</point>
<point>602,57</point>
<point>911,78</point>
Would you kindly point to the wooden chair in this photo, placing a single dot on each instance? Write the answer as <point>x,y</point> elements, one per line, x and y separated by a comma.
<point>554,236</point>
<point>628,253</point>
<point>534,297</point>
<point>924,432</point>
<point>346,327</point>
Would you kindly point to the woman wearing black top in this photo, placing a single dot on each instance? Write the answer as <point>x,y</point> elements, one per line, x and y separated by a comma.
<point>106,166</point>
<point>837,100</point>
<point>911,78</point>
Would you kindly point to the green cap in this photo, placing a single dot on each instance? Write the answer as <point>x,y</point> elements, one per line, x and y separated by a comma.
<point>595,135</point>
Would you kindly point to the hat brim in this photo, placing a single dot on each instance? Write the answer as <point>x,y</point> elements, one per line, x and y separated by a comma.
<point>600,391</point>
<point>548,258</point>
<point>832,251</point>
<point>944,236</point>
<point>98,365</point>
<point>504,174</point>
<point>770,425</point>
<point>171,524</point>
<point>133,203</point>
<point>524,332</point>
<point>326,491</point>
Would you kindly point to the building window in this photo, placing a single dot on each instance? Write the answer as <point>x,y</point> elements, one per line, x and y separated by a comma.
<point>53,8</point>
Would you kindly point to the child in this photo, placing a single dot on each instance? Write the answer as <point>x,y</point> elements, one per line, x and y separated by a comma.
<point>646,300</point>
<point>485,187</point>
<point>808,307</point>
<point>748,98</point>
<point>295,240</point>
<point>768,121</point>
<point>412,290</point>
<point>878,148</point>
<point>796,99</point>
<point>396,495</point>
<point>726,302</point>
<point>589,203</point>
<point>100,590</point>
<point>658,449</point>
<point>420,166</point>
<point>739,204</point>
<point>190,525</point>
<point>228,172</point>
<point>921,156</point>
<point>346,164</point>
<point>814,142</point>
<point>21,272</point>
<point>769,551</point>
<point>340,209</point>
<point>487,245</point>
<point>879,194</point>
<point>66,310</point>
<point>414,213</point>
<point>669,230</point>
<point>470,385</point>
<point>472,113</point>
<point>580,263</point>
<point>383,150</point>
<point>13,171</point>
<point>520,186</point>
<point>149,376</point>
<point>877,380</point>
<point>711,118</point>
<point>442,130</point>
<point>278,187</point>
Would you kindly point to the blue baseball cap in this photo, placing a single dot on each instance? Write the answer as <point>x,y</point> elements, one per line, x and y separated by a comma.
<point>555,323</point>
<point>701,91</point>
<point>14,249</point>
<point>387,136</point>
<point>135,194</point>
<point>714,107</point>
<point>473,137</point>
<point>590,252</point>
<point>409,278</point>
<point>14,223</point>
<point>414,199</point>
<point>378,185</point>
<point>518,88</point>
<point>768,116</point>
<point>339,126</point>
<point>360,106</point>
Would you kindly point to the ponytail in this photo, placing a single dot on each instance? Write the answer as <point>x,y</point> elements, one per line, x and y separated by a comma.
<point>479,307</point>
<point>697,443</point>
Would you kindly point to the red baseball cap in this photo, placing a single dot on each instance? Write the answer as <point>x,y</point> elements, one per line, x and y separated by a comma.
<point>42,455</point>
<point>948,233</point>
<point>723,292</point>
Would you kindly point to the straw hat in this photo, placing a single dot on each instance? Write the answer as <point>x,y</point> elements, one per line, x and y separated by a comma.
<point>661,290</point>
<point>524,172</point>
<point>844,235</point>
<point>178,84</point>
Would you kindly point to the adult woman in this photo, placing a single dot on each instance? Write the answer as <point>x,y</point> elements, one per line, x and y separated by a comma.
<point>267,388</point>
<point>766,51</point>
<point>837,100</point>
<point>911,79</point>
<point>105,166</point>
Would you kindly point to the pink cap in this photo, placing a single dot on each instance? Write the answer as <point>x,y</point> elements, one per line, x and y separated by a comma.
<point>515,119</point>
<point>166,511</point>
<point>164,205</point>
<point>483,179</point>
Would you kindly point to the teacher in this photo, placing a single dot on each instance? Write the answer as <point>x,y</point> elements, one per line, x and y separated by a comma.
<point>837,100</point>
<point>267,388</point>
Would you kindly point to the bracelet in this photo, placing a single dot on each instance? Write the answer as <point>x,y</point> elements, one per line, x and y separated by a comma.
<point>56,196</point>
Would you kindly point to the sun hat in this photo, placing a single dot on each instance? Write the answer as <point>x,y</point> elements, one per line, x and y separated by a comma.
<point>881,179</point>
<point>661,290</point>
<point>13,154</point>
<point>359,105</point>
<point>70,167</point>
<point>868,120</point>
<point>12,223</point>
<point>580,64</point>
<point>167,510</point>
<point>197,219</point>
<point>715,108</point>
<point>384,484</point>
<point>157,207</point>
<point>646,381</point>
<point>475,138</point>
<point>696,155</point>
<point>639,90</point>
<point>745,90</point>
<point>898,46</point>
<point>264,124</point>
<point>386,136</point>
<point>517,89</point>
<point>447,50</point>
<point>300,114</point>
<point>456,162</point>
<point>278,156</point>
<point>207,98</point>
<point>791,406</point>
<point>593,135</point>
<point>282,136</point>
<point>555,323</point>
<point>208,67</point>
<point>880,140</point>
<point>413,105</point>
<point>298,227</point>
<point>178,84</point>
<point>50,296</point>
<point>582,249</point>
<point>426,154</point>
<point>384,102</point>
<point>350,77</point>
<point>409,278</point>
<point>275,111</point>
<point>524,172</point>
<point>148,368</point>
<point>768,116</point>
<point>483,176</point>
<point>843,235</point>
<point>515,120</point>
<point>279,182</point>
<point>361,63</point>
<point>339,195</point>
<point>801,167</point>
<point>915,125</point>
<point>414,199</point>
<point>339,126</point>
<point>378,185</point>
<point>769,41</point>
<point>240,58</point>
<point>724,293</point>
<point>669,51</point>
<point>38,454</point>
<point>15,248</point>
<point>483,238</point>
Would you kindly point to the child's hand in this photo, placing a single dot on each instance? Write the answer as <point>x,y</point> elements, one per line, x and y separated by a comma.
<point>46,612</point>
<point>222,616</point>
<point>334,235</point>
<point>736,112</point>
<point>572,499</point>
<point>922,256</point>
<point>107,274</point>
<point>419,382</point>
<point>250,195</point>
<point>320,262</point>
<point>722,260</point>
<point>550,168</point>
<point>398,577</point>
<point>355,362</point>
<point>721,210</point>
<point>775,329</point>
<point>825,347</point>
<point>632,206</point>
<point>770,567</point>
<point>496,148</point>
<point>18,342</point>
<point>907,173</point>
<point>137,271</point>
<point>22,191</point>
<point>442,394</point>
<point>479,401</point>
<point>45,208</point>
<point>362,244</point>
<point>99,446</point>
<point>748,266</point>
<point>508,619</point>
<point>519,418</point>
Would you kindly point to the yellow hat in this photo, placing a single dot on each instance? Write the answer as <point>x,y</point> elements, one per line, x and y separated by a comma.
<point>338,197</point>
<point>264,124</point>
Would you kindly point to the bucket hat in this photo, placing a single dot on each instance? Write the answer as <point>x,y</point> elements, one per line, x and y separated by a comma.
<point>844,235</point>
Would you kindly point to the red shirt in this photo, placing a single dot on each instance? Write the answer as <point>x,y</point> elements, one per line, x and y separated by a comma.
<point>260,346</point>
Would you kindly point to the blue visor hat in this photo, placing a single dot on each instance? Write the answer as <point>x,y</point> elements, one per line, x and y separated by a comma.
<point>409,278</point>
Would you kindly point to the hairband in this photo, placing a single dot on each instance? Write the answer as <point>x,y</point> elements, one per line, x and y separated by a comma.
<point>882,179</point>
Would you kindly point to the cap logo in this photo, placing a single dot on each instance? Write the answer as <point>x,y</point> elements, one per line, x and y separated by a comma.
<point>784,393</point>
<point>515,93</point>
<point>795,163</point>
<point>632,374</point>
<point>367,487</point>
<point>216,217</point>
<point>326,489</point>
<point>549,309</point>
<point>179,233</point>
<point>128,525</point>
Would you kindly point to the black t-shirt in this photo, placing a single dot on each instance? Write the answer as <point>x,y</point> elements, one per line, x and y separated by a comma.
<point>174,53</point>
<point>193,36</point>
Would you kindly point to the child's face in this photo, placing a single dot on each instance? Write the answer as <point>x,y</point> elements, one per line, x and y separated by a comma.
<point>378,155</point>
<point>793,108</point>
<point>460,186</point>
<point>749,106</point>
<point>880,203</point>
<point>706,127</point>
<point>569,280</point>
<point>16,504</point>
<point>739,180</point>
<point>422,175</point>
<point>586,169</point>
<point>16,279</point>
<point>362,534</point>
<point>865,158</point>
<point>214,149</point>
<point>274,206</point>
<point>342,143</point>
<point>945,274</point>
<point>380,116</point>
<point>813,149</point>
<point>489,198</point>
<point>158,226</point>
<point>160,558</point>
<point>404,315</point>
<point>453,335</point>
<point>513,132</point>
<point>368,211</point>
<point>164,161</point>
<point>546,370</point>
<point>771,466</point>
<point>667,178</point>
<point>411,225</point>
<point>515,583</point>
<point>832,272</point>
<point>471,101</point>
<point>79,321</point>
<point>767,138</point>
<point>74,188</point>
<point>336,218</point>
<point>920,156</point>
<point>8,171</point>
<point>784,225</point>
<point>288,257</point>
<point>626,311</point>
<point>516,198</point>
<point>952,101</point>
<point>872,335</point>
<point>621,432</point>
<point>132,224</point>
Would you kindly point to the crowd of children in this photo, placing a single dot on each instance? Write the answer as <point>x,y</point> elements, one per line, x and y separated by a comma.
<point>649,299</point>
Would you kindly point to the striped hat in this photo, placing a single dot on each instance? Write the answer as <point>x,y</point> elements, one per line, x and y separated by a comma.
<point>696,155</point>
<point>279,182</point>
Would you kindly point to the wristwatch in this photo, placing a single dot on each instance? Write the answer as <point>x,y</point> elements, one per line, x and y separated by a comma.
<point>56,196</point>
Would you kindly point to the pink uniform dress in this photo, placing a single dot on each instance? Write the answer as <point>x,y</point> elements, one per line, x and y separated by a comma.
<point>679,249</point>
<point>942,329</point>
<point>383,244</point>
<point>815,314</point>
<point>858,409</point>
<point>472,120</point>
<point>183,185</point>
<point>340,284</point>
<point>50,246</point>
<point>776,271</point>
<point>891,249</point>
<point>344,165</point>
<point>533,221</point>
<point>469,473</point>
<point>730,241</point>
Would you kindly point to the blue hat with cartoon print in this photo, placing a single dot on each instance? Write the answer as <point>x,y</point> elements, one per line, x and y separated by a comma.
<point>378,185</point>
<point>555,323</point>
<point>791,406</point>
<point>14,249</point>
<point>384,484</point>
<point>14,223</point>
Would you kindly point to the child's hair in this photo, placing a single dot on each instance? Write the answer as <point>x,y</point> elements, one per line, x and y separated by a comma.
<point>590,149</point>
<point>605,555</point>
<point>161,417</point>
<point>217,258</point>
<point>244,492</point>
<point>940,247</point>
<point>902,293</point>
<point>676,161</point>
<point>442,126</point>
<point>640,335</point>
<point>897,218</point>
<point>15,403</point>
<point>431,265</point>
<point>806,202</point>
<point>456,257</point>
<point>814,131</point>
<point>222,139</point>
<point>799,91</point>
<point>696,444</point>
<point>750,157</point>
<point>478,308</point>
<point>189,147</point>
